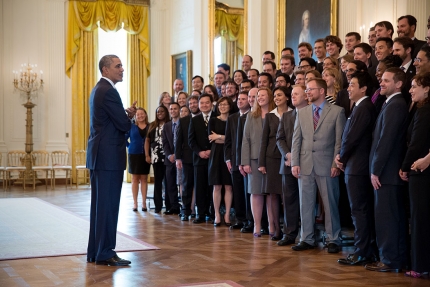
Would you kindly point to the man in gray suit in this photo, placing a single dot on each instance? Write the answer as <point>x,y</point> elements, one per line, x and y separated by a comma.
<point>316,142</point>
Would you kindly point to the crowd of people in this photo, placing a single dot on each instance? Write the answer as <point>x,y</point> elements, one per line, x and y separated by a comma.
<point>280,146</point>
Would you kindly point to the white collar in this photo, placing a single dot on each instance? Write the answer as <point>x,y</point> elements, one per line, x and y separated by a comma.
<point>110,81</point>
<point>389,98</point>
<point>360,100</point>
<point>407,65</point>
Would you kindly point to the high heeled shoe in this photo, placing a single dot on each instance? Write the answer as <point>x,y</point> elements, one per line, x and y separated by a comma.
<point>144,209</point>
<point>415,274</point>
<point>134,208</point>
<point>228,224</point>
<point>256,235</point>
<point>217,224</point>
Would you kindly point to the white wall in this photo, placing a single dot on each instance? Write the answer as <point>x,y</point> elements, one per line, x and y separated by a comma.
<point>26,34</point>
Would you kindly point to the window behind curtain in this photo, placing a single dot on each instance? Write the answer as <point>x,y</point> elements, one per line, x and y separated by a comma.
<point>116,43</point>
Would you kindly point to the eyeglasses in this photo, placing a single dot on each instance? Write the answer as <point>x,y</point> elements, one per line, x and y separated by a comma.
<point>310,89</point>
<point>418,60</point>
<point>304,66</point>
<point>223,105</point>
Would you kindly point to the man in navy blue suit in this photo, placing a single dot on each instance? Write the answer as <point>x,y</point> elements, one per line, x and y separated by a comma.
<point>106,160</point>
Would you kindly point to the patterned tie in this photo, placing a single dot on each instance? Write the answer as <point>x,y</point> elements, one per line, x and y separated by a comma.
<point>316,117</point>
<point>206,120</point>
<point>376,95</point>
<point>174,133</point>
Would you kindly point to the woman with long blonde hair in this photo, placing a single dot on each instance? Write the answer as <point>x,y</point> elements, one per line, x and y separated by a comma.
<point>333,79</point>
<point>251,144</point>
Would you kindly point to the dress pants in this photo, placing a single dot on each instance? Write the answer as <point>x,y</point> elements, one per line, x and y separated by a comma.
<point>172,188</point>
<point>420,227</point>
<point>390,225</point>
<point>202,189</point>
<point>105,197</point>
<point>187,192</point>
<point>291,206</point>
<point>329,190</point>
<point>159,174</point>
<point>360,194</point>
<point>239,199</point>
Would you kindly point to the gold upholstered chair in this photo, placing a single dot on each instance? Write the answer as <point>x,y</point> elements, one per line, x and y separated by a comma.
<point>15,165</point>
<point>60,161</point>
<point>81,169</point>
<point>41,163</point>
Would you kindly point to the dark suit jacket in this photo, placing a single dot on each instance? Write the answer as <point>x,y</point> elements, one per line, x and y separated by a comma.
<point>357,139</point>
<point>168,145</point>
<point>343,101</point>
<point>418,45</point>
<point>108,124</point>
<point>198,139</point>
<point>268,147</point>
<point>410,73</point>
<point>418,139</point>
<point>284,138</point>
<point>231,140</point>
<point>388,143</point>
<point>240,126</point>
<point>182,149</point>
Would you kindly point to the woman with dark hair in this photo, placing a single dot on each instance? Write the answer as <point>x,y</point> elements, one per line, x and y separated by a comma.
<point>137,165</point>
<point>270,158</point>
<point>219,175</point>
<point>418,137</point>
<point>210,89</point>
<point>239,76</point>
<point>251,143</point>
<point>182,99</point>
<point>154,143</point>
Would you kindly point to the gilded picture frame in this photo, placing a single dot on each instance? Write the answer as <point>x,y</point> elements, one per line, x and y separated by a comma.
<point>322,21</point>
<point>181,68</point>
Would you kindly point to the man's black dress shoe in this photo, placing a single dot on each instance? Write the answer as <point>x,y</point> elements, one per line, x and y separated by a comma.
<point>236,226</point>
<point>302,246</point>
<point>184,217</point>
<point>114,261</point>
<point>381,267</point>
<point>193,216</point>
<point>91,259</point>
<point>286,241</point>
<point>198,220</point>
<point>157,210</point>
<point>333,248</point>
<point>247,229</point>
<point>172,211</point>
<point>354,259</point>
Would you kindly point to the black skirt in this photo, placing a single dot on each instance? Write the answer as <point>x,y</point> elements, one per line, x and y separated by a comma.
<point>137,164</point>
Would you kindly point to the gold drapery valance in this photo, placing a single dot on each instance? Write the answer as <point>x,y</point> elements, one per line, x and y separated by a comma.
<point>231,27</point>
<point>84,15</point>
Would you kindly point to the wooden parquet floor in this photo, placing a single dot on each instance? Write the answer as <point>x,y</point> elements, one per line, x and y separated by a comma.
<point>189,253</point>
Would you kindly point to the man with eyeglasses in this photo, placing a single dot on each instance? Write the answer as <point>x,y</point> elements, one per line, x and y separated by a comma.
<point>422,61</point>
<point>307,64</point>
<point>316,142</point>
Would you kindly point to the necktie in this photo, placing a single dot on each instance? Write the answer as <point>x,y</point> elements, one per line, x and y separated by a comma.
<point>316,117</point>
<point>174,133</point>
<point>402,68</point>
<point>376,95</point>
<point>206,120</point>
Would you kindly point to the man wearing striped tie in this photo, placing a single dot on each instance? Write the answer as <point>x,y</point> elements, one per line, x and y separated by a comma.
<point>316,142</point>
<point>198,140</point>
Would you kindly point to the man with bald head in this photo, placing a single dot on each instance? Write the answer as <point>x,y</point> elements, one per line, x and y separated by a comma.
<point>247,62</point>
<point>178,86</point>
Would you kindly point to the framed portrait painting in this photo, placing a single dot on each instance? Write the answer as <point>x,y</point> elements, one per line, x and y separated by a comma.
<point>305,21</point>
<point>181,65</point>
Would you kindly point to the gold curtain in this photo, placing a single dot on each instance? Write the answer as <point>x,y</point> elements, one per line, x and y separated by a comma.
<point>81,54</point>
<point>230,26</point>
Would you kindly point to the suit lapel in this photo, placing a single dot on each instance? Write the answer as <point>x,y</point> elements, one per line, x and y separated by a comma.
<point>325,111</point>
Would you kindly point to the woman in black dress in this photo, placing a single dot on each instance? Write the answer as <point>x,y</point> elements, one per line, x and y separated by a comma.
<point>218,173</point>
<point>270,160</point>
<point>154,143</point>
<point>419,180</point>
<point>137,165</point>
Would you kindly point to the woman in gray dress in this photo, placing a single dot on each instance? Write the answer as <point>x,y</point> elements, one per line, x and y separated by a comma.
<point>251,144</point>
